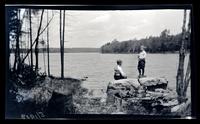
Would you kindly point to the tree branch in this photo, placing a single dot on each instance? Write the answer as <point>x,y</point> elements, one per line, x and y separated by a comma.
<point>38,34</point>
<point>46,25</point>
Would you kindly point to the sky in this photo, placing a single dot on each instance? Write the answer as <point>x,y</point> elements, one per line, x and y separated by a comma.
<point>95,28</point>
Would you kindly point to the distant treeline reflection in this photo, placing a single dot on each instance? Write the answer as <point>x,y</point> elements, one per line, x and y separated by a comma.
<point>161,44</point>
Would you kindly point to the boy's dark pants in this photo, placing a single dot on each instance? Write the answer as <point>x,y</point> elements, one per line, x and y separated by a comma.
<point>141,66</point>
<point>119,77</point>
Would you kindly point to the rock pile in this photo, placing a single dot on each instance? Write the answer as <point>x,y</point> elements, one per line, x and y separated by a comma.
<point>150,94</point>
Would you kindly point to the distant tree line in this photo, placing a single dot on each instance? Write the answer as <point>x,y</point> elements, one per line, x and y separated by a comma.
<point>57,50</point>
<point>160,44</point>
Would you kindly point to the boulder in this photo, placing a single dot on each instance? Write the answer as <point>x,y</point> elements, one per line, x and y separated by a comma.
<point>124,88</point>
<point>148,94</point>
<point>128,88</point>
<point>128,82</point>
<point>151,83</point>
<point>124,84</point>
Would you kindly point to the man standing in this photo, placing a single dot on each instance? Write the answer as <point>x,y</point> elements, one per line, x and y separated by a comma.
<point>141,61</point>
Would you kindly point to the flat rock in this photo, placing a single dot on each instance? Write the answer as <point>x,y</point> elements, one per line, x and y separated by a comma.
<point>124,84</point>
<point>152,83</point>
<point>124,88</point>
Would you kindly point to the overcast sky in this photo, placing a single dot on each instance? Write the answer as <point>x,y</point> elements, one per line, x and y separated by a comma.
<point>95,28</point>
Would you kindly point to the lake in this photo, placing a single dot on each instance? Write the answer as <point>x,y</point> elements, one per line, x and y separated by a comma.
<point>99,68</point>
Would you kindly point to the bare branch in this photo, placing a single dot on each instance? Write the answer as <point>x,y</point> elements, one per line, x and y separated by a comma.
<point>36,38</point>
<point>46,25</point>
<point>38,34</point>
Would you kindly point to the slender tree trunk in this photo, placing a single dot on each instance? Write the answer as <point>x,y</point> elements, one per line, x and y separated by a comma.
<point>43,49</point>
<point>15,60</point>
<point>187,78</point>
<point>36,55</point>
<point>16,47</point>
<point>61,44</point>
<point>48,45</point>
<point>37,41</point>
<point>17,55</point>
<point>30,23</point>
<point>62,52</point>
<point>180,72</point>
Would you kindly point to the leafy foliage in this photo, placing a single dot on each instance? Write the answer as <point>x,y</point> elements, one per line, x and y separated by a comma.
<point>164,43</point>
<point>13,23</point>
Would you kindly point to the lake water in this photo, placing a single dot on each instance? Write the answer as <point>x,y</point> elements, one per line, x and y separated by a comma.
<point>99,68</point>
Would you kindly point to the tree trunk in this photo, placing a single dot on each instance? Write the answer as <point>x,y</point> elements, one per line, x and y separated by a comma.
<point>187,78</point>
<point>37,41</point>
<point>17,54</point>
<point>31,38</point>
<point>188,71</point>
<point>61,44</point>
<point>62,52</point>
<point>48,45</point>
<point>180,72</point>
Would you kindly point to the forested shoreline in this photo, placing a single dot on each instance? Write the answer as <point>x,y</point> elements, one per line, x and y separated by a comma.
<point>57,50</point>
<point>165,43</point>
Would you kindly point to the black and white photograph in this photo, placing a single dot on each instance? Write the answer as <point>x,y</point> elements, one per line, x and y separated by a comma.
<point>65,62</point>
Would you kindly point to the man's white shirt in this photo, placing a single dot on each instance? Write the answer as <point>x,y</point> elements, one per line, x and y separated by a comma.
<point>142,55</point>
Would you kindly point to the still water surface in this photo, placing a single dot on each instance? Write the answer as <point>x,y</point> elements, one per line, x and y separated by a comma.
<point>99,68</point>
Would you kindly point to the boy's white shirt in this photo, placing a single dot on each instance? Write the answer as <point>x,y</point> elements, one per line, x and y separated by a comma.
<point>121,71</point>
<point>142,55</point>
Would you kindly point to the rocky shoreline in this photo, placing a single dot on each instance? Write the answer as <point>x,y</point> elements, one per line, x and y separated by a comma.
<point>151,95</point>
<point>51,97</point>
<point>57,98</point>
